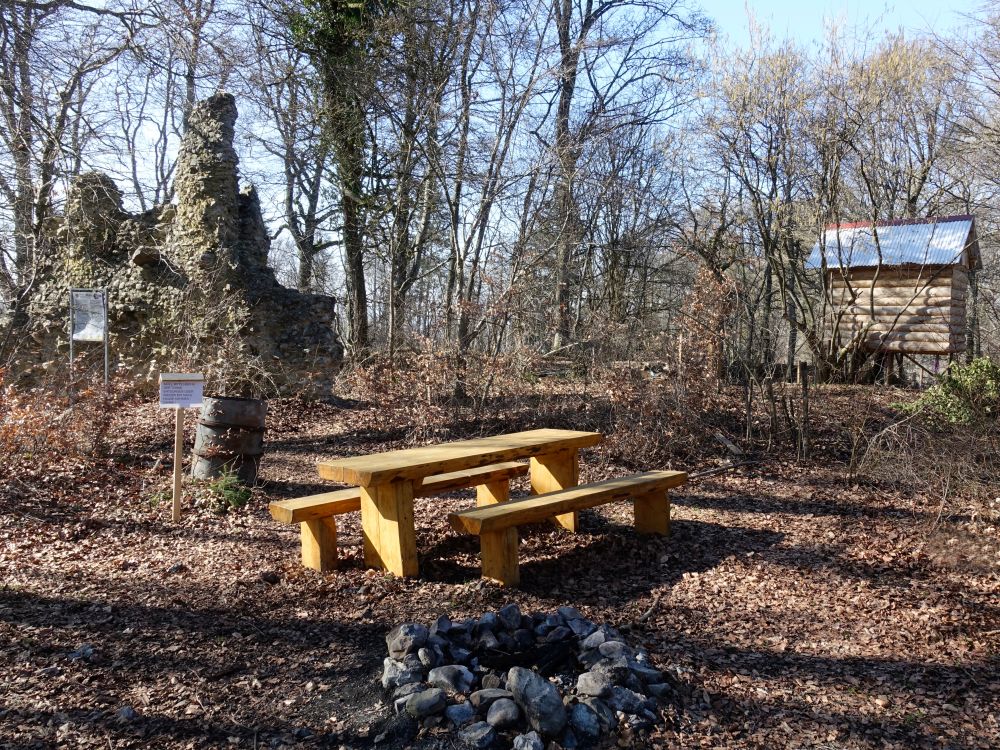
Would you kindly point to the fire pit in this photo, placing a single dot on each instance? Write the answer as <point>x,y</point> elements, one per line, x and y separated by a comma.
<point>513,680</point>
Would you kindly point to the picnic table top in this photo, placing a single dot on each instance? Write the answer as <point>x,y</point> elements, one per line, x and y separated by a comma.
<point>414,463</point>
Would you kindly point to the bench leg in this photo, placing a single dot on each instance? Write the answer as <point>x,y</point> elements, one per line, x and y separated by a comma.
<point>492,493</point>
<point>557,471</point>
<point>652,513</point>
<point>319,544</point>
<point>499,552</point>
<point>387,527</point>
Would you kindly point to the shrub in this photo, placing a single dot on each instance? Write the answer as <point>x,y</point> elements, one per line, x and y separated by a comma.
<point>226,493</point>
<point>967,395</point>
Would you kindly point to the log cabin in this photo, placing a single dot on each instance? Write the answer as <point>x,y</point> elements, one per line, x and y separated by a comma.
<point>899,286</point>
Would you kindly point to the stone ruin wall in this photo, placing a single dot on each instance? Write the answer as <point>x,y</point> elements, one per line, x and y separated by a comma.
<point>189,286</point>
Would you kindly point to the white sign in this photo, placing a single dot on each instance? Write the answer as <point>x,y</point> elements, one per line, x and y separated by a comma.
<point>180,390</point>
<point>89,314</point>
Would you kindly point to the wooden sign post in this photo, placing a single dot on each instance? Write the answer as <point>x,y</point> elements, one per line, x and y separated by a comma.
<point>179,391</point>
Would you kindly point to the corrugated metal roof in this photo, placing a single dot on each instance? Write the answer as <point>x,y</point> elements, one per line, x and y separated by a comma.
<point>920,241</point>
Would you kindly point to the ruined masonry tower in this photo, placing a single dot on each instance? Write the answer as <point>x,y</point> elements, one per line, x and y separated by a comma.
<point>189,284</point>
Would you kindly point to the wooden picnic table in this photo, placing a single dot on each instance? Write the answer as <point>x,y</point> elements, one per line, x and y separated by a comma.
<point>387,482</point>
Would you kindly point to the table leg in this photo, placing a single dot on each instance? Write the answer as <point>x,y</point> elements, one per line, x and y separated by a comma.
<point>556,471</point>
<point>387,527</point>
<point>492,493</point>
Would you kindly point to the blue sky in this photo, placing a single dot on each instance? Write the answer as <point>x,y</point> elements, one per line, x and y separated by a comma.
<point>803,20</point>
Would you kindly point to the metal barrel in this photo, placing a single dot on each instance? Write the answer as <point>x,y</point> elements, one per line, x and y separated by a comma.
<point>229,438</point>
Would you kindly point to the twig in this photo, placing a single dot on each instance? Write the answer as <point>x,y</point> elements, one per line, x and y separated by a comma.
<point>718,470</point>
<point>649,612</point>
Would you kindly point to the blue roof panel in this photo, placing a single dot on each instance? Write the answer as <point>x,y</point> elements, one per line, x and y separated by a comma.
<point>940,242</point>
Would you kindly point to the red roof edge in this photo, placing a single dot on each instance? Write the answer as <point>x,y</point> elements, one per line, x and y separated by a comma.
<point>902,222</point>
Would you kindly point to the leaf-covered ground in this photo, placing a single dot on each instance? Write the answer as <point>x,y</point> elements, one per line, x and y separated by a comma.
<point>801,611</point>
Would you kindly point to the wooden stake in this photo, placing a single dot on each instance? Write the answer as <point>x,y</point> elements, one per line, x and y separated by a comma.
<point>178,459</point>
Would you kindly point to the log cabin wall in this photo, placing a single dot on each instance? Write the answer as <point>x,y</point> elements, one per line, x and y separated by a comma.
<point>910,309</point>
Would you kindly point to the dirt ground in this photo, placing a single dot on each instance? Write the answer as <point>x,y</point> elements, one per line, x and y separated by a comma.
<point>799,610</point>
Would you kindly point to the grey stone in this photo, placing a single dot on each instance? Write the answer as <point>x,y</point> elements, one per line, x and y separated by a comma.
<point>632,682</point>
<point>460,655</point>
<point>524,638</point>
<point>617,670</point>
<point>503,714</point>
<point>594,640</point>
<point>426,703</point>
<point>489,621</point>
<point>615,650</point>
<point>146,256</point>
<point>539,699</point>
<point>595,684</point>
<point>570,613</point>
<point>478,735</point>
<point>659,689</point>
<point>487,640</point>
<point>412,661</point>
<point>126,713</point>
<point>396,673</point>
<point>460,714</point>
<point>510,617</point>
<point>604,713</point>
<point>647,674</point>
<point>453,677</point>
<point>529,741</point>
<point>625,700</point>
<point>404,691</point>
<point>432,721</point>
<point>84,652</point>
<point>482,699</point>
<point>491,680</point>
<point>441,626</point>
<point>428,657</point>
<point>568,741</point>
<point>584,722</point>
<point>636,722</point>
<point>406,639</point>
<point>559,633</point>
<point>581,628</point>
<point>589,658</point>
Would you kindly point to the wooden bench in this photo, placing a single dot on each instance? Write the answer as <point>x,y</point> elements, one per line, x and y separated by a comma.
<point>316,513</point>
<point>496,525</point>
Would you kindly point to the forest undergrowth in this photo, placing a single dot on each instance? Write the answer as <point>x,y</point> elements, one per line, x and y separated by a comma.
<point>836,601</point>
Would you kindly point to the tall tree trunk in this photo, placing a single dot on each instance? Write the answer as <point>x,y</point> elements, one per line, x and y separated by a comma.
<point>567,154</point>
<point>350,149</point>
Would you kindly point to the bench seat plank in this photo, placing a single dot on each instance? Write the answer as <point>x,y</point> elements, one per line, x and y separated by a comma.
<point>413,463</point>
<point>312,507</point>
<point>494,518</point>
<point>334,503</point>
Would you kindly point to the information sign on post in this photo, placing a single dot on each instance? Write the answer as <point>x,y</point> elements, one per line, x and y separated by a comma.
<point>179,391</point>
<point>88,322</point>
